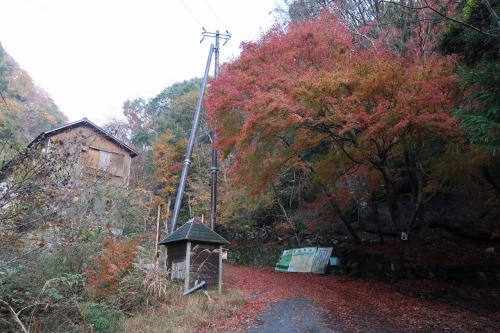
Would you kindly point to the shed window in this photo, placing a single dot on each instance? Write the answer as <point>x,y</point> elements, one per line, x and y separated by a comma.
<point>104,160</point>
<point>107,161</point>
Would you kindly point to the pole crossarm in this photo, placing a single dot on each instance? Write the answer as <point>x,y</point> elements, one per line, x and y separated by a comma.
<point>217,35</point>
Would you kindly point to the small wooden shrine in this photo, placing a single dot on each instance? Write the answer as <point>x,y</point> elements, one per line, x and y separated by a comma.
<point>194,254</point>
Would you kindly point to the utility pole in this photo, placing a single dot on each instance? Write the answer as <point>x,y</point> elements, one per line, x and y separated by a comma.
<point>214,167</point>
<point>192,138</point>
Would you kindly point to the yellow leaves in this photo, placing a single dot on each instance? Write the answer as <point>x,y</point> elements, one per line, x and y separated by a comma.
<point>168,156</point>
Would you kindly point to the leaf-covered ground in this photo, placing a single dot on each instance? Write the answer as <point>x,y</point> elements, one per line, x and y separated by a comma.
<point>355,305</point>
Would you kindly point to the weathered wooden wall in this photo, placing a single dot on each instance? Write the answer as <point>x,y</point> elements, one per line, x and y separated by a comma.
<point>176,253</point>
<point>204,265</point>
<point>89,144</point>
<point>204,262</point>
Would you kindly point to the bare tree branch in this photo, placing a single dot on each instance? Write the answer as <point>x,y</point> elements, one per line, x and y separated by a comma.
<point>492,12</point>
<point>15,315</point>
<point>426,6</point>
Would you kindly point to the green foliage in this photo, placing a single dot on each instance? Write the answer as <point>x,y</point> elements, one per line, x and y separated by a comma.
<point>3,68</point>
<point>142,138</point>
<point>64,285</point>
<point>49,282</point>
<point>479,38</point>
<point>102,318</point>
<point>50,287</point>
<point>172,109</point>
<point>45,284</point>
<point>178,104</point>
<point>161,126</point>
<point>242,211</point>
<point>300,10</point>
<point>257,256</point>
<point>480,113</point>
<point>298,223</point>
<point>161,103</point>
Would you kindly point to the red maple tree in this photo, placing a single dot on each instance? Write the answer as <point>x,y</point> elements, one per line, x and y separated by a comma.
<point>310,97</point>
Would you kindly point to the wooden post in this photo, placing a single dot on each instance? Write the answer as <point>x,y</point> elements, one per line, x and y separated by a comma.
<point>220,269</point>
<point>188,266</point>
<point>158,218</point>
<point>169,201</point>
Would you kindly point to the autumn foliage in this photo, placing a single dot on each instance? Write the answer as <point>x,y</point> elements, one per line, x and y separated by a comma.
<point>114,263</point>
<point>311,97</point>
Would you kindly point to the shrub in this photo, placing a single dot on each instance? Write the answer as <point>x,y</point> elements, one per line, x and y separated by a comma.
<point>101,318</point>
<point>111,266</point>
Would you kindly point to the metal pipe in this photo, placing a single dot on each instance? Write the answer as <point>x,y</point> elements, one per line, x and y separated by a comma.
<point>192,138</point>
<point>217,49</point>
<point>214,168</point>
<point>213,134</point>
<point>213,184</point>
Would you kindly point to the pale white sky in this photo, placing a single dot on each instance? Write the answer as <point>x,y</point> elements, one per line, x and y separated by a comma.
<point>92,55</point>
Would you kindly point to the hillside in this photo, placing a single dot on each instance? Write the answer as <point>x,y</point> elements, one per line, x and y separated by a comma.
<point>26,109</point>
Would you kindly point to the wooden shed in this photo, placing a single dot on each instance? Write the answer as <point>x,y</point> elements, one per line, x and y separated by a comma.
<point>194,254</point>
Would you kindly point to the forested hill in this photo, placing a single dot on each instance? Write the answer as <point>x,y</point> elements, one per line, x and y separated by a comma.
<point>25,108</point>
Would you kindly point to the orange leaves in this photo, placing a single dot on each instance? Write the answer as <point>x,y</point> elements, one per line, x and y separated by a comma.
<point>167,158</point>
<point>308,96</point>
<point>394,98</point>
<point>272,91</point>
<point>111,266</point>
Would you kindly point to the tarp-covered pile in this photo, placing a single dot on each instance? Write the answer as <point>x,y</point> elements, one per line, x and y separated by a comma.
<point>306,259</point>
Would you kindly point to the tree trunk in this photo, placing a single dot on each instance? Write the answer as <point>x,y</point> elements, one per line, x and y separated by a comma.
<point>343,218</point>
<point>287,217</point>
<point>417,205</point>
<point>377,219</point>
<point>390,193</point>
<point>489,179</point>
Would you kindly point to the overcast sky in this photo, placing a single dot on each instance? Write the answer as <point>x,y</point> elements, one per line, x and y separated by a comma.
<point>92,55</point>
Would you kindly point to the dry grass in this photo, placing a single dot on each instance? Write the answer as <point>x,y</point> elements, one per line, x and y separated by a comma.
<point>193,313</point>
<point>158,284</point>
<point>166,310</point>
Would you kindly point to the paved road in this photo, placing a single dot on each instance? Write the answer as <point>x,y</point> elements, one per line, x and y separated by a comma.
<point>296,315</point>
<point>292,302</point>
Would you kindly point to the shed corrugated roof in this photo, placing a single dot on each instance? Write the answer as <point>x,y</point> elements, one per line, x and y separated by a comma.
<point>194,230</point>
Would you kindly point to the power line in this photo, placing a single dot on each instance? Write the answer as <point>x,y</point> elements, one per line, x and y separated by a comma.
<point>215,14</point>
<point>191,13</point>
<point>74,18</point>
